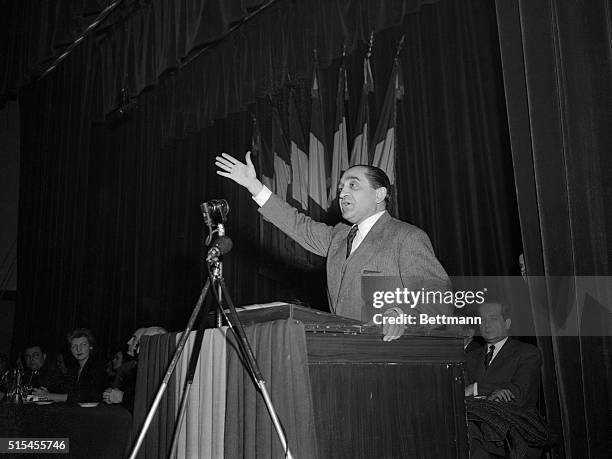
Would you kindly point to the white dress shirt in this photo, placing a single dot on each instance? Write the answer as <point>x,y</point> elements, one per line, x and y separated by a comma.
<point>364,228</point>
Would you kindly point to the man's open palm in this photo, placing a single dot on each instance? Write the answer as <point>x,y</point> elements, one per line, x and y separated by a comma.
<point>230,167</point>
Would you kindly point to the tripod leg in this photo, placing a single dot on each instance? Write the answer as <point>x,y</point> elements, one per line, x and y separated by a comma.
<point>164,384</point>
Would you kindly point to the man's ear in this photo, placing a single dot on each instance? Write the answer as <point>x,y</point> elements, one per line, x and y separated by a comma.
<point>381,194</point>
<point>508,323</point>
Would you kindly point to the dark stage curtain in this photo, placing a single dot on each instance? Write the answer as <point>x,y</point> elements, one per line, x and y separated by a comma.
<point>558,82</point>
<point>250,63</point>
<point>152,366</point>
<point>33,33</point>
<point>54,199</point>
<point>455,172</point>
<point>110,228</point>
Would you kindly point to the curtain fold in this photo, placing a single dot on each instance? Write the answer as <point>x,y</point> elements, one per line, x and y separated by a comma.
<point>202,431</point>
<point>558,82</point>
<point>282,39</point>
<point>154,356</point>
<point>280,350</point>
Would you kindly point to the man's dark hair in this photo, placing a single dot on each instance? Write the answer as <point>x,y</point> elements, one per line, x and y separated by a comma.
<point>506,308</point>
<point>42,348</point>
<point>378,178</point>
<point>123,349</point>
<point>81,333</point>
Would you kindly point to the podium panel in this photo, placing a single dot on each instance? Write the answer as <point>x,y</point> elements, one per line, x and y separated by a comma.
<point>399,399</point>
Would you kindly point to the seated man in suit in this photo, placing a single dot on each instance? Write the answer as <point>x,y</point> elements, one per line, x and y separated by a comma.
<point>376,243</point>
<point>505,369</point>
<point>507,372</point>
<point>39,371</point>
<point>123,389</point>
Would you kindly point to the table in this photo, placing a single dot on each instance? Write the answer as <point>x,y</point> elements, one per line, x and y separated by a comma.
<point>99,432</point>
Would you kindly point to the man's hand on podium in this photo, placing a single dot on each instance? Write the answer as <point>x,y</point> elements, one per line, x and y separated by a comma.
<point>392,332</point>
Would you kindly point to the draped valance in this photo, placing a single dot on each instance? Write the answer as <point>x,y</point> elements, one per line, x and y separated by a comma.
<point>142,42</point>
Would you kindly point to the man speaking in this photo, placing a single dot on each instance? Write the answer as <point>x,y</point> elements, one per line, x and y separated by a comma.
<point>376,243</point>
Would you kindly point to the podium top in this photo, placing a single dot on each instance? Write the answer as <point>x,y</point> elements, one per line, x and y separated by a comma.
<point>316,321</point>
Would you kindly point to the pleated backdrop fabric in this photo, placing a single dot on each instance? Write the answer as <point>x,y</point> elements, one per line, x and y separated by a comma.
<point>280,349</point>
<point>225,415</point>
<point>155,354</point>
<point>202,430</point>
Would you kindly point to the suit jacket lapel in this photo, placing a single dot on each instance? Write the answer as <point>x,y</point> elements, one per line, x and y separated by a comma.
<point>371,245</point>
<point>372,242</point>
<point>480,368</point>
<point>501,355</point>
<point>335,265</point>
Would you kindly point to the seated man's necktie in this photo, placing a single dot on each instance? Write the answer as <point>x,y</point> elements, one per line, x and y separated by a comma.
<point>349,239</point>
<point>489,355</point>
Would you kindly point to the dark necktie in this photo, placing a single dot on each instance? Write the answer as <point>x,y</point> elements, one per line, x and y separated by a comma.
<point>349,239</point>
<point>489,355</point>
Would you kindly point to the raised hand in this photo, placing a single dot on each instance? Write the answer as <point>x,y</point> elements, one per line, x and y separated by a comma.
<point>241,173</point>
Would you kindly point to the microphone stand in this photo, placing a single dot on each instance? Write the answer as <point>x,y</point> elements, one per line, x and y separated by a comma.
<point>215,279</point>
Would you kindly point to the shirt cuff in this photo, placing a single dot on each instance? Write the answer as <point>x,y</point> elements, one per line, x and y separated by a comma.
<point>262,197</point>
<point>475,389</point>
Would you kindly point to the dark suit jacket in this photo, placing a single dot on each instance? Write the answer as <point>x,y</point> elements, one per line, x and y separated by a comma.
<point>516,367</point>
<point>90,385</point>
<point>47,376</point>
<point>391,248</point>
<point>125,380</point>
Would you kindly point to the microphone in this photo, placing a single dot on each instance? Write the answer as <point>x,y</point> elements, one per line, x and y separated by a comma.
<point>214,211</point>
<point>221,246</point>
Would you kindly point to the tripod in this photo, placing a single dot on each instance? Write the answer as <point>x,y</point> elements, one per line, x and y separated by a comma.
<point>215,279</point>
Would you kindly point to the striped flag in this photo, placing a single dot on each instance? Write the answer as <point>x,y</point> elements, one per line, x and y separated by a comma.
<point>263,156</point>
<point>282,158</point>
<point>340,153</point>
<point>383,142</point>
<point>299,158</point>
<point>317,181</point>
<point>360,152</point>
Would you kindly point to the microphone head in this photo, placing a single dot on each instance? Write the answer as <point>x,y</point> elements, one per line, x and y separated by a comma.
<point>224,244</point>
<point>214,211</point>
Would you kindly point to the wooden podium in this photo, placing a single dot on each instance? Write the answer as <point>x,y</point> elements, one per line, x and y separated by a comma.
<point>339,389</point>
<point>375,399</point>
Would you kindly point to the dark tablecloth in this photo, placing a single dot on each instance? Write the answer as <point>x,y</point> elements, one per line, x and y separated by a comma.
<point>99,432</point>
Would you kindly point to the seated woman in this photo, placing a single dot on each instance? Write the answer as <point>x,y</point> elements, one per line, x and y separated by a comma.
<point>88,379</point>
<point>123,386</point>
